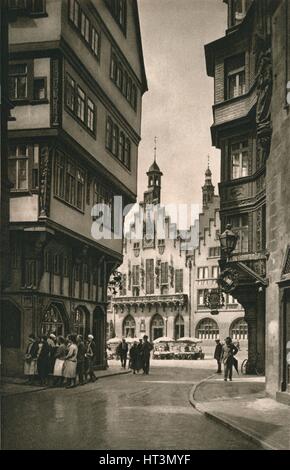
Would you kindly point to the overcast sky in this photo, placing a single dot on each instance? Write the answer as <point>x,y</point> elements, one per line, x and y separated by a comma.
<point>178,106</point>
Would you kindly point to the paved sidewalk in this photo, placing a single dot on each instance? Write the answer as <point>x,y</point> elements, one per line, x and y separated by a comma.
<point>243,405</point>
<point>16,385</point>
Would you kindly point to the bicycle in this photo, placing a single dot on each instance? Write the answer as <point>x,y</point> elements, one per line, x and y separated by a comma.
<point>256,366</point>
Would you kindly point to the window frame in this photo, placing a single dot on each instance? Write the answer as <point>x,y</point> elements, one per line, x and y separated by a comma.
<point>179,280</point>
<point>17,158</point>
<point>28,79</point>
<point>240,151</point>
<point>126,84</point>
<point>235,71</point>
<point>70,181</point>
<point>113,135</point>
<point>241,230</point>
<point>44,99</point>
<point>72,89</point>
<point>77,23</point>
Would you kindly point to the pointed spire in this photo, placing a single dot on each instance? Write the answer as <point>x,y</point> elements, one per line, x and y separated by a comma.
<point>208,172</point>
<point>155,148</point>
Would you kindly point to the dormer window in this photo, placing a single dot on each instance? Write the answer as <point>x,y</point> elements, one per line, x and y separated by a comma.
<point>235,76</point>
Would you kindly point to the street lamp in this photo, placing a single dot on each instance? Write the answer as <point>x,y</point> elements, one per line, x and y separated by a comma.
<point>228,240</point>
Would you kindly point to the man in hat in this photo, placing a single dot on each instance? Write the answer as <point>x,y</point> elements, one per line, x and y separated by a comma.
<point>146,349</point>
<point>217,355</point>
<point>90,358</point>
<point>122,351</point>
<point>229,350</point>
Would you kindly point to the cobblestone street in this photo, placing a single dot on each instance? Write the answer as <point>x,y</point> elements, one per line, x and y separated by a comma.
<point>121,412</point>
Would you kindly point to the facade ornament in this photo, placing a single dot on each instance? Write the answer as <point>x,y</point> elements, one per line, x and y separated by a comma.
<point>142,274</point>
<point>228,280</point>
<point>263,107</point>
<point>129,275</point>
<point>157,273</point>
<point>214,300</point>
<point>55,93</point>
<point>45,179</point>
<point>115,282</point>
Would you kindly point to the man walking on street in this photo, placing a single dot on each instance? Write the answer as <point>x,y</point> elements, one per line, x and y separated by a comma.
<point>229,350</point>
<point>146,349</point>
<point>122,351</point>
<point>217,355</point>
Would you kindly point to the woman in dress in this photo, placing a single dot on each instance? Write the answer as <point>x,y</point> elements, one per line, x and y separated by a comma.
<point>43,360</point>
<point>30,359</point>
<point>70,365</point>
<point>60,355</point>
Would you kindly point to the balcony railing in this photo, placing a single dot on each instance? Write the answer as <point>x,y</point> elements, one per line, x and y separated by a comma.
<point>172,300</point>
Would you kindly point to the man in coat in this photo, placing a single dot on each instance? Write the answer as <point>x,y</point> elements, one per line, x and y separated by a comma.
<point>217,355</point>
<point>81,359</point>
<point>146,349</point>
<point>229,350</point>
<point>122,351</point>
<point>90,358</point>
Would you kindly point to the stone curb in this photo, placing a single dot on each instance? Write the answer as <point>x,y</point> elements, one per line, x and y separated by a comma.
<point>225,422</point>
<point>40,389</point>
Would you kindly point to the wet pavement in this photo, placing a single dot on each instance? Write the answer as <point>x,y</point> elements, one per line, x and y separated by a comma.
<point>120,412</point>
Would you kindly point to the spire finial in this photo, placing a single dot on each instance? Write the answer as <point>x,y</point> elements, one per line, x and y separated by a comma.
<point>155,142</point>
<point>208,159</point>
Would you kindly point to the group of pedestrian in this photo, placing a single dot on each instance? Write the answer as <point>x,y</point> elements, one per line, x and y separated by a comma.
<point>225,354</point>
<point>67,360</point>
<point>139,355</point>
